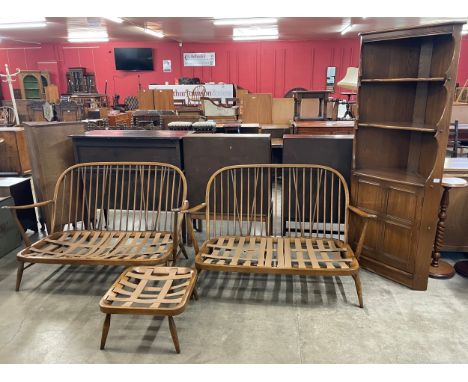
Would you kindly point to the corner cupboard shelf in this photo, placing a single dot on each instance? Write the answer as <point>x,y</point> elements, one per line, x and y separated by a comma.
<point>407,79</point>
<point>405,94</point>
<point>421,127</point>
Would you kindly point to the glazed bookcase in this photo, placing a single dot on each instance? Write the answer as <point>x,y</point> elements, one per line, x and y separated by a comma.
<point>406,87</point>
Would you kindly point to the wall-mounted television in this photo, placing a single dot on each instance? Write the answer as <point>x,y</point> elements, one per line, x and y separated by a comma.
<point>134,59</point>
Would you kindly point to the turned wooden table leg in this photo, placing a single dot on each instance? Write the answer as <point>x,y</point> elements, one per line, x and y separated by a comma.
<point>440,269</point>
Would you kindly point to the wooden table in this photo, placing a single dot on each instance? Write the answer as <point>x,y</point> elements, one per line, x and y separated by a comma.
<point>456,237</point>
<point>322,127</point>
<point>321,95</point>
<point>129,145</point>
<point>440,269</point>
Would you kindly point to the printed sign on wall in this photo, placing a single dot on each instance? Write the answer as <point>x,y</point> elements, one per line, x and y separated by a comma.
<point>199,59</point>
<point>167,65</point>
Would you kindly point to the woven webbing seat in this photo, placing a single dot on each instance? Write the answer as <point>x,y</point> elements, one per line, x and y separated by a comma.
<point>286,255</point>
<point>105,248</point>
<point>149,290</point>
<point>287,219</point>
<point>111,213</point>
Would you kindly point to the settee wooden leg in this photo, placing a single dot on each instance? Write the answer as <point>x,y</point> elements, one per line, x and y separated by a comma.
<point>105,330</point>
<point>357,281</point>
<point>182,248</point>
<point>19,275</point>
<point>173,330</point>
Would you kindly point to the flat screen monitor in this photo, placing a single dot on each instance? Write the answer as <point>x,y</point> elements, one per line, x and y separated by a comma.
<point>134,59</point>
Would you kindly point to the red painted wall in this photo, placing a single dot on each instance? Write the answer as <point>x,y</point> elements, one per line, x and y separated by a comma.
<point>265,67</point>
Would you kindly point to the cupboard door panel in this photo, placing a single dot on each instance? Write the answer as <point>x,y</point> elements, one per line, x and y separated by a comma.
<point>370,196</point>
<point>397,241</point>
<point>401,204</point>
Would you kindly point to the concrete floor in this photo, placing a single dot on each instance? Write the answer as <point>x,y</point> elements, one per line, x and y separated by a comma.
<point>239,318</point>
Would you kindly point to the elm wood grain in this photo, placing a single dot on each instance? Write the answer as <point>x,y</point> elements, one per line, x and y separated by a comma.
<point>13,151</point>
<point>245,232</point>
<point>440,269</point>
<point>155,291</point>
<point>111,213</point>
<point>129,145</point>
<point>456,238</point>
<point>400,143</point>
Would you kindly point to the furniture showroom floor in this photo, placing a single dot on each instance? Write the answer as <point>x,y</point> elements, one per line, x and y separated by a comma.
<point>239,318</point>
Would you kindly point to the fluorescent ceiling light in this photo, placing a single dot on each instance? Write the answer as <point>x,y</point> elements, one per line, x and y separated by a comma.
<point>245,21</point>
<point>97,39</point>
<point>88,36</point>
<point>245,38</point>
<point>255,31</point>
<point>117,20</point>
<point>152,32</point>
<point>347,28</point>
<point>22,25</point>
<point>16,20</point>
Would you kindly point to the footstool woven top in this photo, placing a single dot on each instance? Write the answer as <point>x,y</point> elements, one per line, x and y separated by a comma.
<point>150,290</point>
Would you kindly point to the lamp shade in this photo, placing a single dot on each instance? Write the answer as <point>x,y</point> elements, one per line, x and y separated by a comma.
<point>350,80</point>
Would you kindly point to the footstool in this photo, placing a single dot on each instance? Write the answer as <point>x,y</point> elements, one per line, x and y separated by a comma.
<point>150,290</point>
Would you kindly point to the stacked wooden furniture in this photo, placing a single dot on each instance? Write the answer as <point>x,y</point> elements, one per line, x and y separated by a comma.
<point>51,153</point>
<point>160,99</point>
<point>14,156</point>
<point>113,213</point>
<point>33,84</point>
<point>406,86</point>
<point>295,228</point>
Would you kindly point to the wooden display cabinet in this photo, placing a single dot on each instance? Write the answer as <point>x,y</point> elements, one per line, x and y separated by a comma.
<point>33,83</point>
<point>406,87</point>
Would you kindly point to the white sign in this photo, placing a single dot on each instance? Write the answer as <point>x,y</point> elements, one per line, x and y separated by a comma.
<point>199,59</point>
<point>222,91</point>
<point>167,65</point>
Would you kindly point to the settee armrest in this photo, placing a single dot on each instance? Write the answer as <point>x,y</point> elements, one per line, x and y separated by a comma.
<point>365,216</point>
<point>13,210</point>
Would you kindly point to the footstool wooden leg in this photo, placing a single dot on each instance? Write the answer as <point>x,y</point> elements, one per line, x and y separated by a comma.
<point>182,248</point>
<point>357,281</point>
<point>173,329</point>
<point>105,330</point>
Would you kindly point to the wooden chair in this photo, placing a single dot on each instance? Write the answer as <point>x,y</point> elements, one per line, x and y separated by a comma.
<point>111,213</point>
<point>246,207</point>
<point>194,97</point>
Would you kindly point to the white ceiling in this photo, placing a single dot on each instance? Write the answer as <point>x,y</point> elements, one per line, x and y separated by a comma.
<point>201,29</point>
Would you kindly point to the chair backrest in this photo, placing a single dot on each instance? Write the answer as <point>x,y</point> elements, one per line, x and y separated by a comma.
<point>122,196</point>
<point>277,200</point>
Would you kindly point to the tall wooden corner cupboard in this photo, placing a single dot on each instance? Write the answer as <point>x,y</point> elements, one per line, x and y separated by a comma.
<point>406,86</point>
